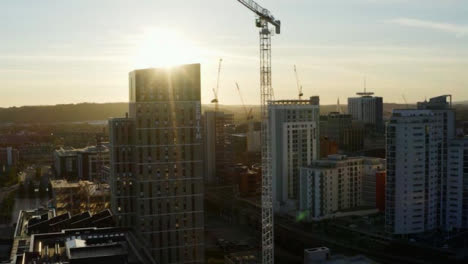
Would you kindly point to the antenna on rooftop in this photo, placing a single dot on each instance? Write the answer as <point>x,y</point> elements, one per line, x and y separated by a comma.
<point>365,93</point>
<point>365,88</point>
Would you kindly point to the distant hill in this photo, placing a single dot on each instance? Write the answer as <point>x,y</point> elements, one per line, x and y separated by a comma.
<point>461,103</point>
<point>62,113</point>
<point>93,111</point>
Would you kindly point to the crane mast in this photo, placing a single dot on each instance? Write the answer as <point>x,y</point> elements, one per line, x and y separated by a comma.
<point>266,94</point>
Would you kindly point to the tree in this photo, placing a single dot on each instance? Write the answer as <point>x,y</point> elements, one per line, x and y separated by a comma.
<point>38,174</point>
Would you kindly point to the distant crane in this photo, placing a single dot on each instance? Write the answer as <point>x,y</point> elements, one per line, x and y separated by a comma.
<point>248,113</point>
<point>299,86</point>
<point>404,99</point>
<point>216,89</point>
<point>266,94</point>
<point>338,106</point>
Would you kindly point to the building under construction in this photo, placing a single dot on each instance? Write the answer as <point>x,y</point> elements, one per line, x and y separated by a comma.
<point>217,149</point>
<point>79,196</point>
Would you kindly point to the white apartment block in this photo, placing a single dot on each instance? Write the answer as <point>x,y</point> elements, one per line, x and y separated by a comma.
<point>294,142</point>
<point>419,192</point>
<point>336,184</point>
<point>457,185</point>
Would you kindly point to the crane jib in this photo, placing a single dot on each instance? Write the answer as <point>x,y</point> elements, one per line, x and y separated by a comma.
<point>263,13</point>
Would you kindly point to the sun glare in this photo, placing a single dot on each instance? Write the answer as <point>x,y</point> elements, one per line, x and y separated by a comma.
<point>165,48</point>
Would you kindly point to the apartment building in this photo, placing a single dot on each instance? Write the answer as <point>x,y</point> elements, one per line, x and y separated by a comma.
<point>418,194</point>
<point>294,142</point>
<point>156,163</point>
<point>338,183</point>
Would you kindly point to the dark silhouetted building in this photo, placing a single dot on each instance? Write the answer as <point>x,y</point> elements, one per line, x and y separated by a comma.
<point>217,147</point>
<point>82,164</point>
<point>157,163</point>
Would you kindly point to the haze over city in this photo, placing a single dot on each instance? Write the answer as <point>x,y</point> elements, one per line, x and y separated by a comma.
<point>59,52</point>
<point>234,132</point>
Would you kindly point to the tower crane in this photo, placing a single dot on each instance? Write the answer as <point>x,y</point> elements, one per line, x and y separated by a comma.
<point>248,113</point>
<point>216,89</point>
<point>299,86</point>
<point>264,19</point>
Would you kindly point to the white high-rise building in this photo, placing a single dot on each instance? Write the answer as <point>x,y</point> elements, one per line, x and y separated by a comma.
<point>294,142</point>
<point>417,186</point>
<point>456,215</point>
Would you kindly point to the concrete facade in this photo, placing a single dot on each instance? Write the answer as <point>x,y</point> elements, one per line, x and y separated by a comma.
<point>418,189</point>
<point>294,142</point>
<point>337,184</point>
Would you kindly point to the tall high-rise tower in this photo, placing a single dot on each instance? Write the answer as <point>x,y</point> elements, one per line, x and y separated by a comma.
<point>418,189</point>
<point>294,142</point>
<point>156,169</point>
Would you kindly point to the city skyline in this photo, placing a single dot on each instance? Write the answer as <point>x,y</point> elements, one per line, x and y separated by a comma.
<point>83,52</point>
<point>207,131</point>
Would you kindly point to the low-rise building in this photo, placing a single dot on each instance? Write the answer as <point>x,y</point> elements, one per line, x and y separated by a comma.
<point>37,152</point>
<point>79,196</point>
<point>9,156</point>
<point>83,164</point>
<point>66,163</point>
<point>43,237</point>
<point>322,255</point>
<point>244,257</point>
<point>337,184</point>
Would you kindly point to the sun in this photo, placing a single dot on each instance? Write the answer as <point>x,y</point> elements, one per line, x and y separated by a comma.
<point>164,48</point>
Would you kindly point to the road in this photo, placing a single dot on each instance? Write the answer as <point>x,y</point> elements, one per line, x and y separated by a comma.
<point>7,190</point>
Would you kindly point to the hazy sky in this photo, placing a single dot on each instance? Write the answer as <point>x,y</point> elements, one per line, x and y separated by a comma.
<point>81,51</point>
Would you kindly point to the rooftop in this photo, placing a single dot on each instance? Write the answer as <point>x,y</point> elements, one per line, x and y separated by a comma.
<point>25,219</point>
<point>36,228</point>
<point>94,189</point>
<point>70,151</point>
<point>86,245</point>
<point>245,257</point>
<point>314,100</point>
<point>335,160</point>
